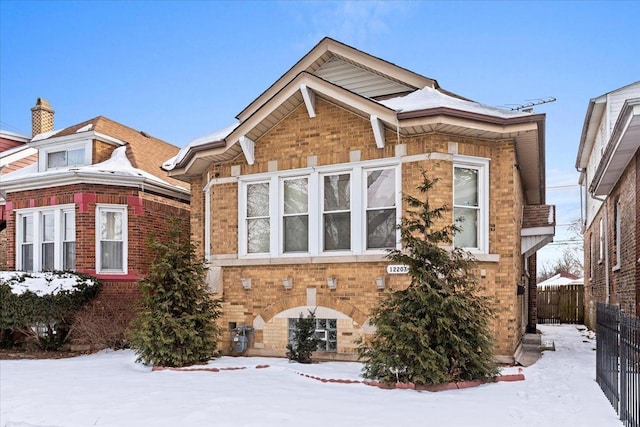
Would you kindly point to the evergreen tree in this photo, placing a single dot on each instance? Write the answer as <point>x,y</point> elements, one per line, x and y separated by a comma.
<point>305,341</point>
<point>436,330</point>
<point>176,324</point>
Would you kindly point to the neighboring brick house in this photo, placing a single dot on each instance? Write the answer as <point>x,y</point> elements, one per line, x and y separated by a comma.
<point>14,154</point>
<point>609,165</point>
<point>90,202</point>
<point>295,205</point>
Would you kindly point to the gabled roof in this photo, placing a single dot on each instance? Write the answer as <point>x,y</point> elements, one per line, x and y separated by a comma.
<point>145,152</point>
<point>350,68</point>
<point>384,93</point>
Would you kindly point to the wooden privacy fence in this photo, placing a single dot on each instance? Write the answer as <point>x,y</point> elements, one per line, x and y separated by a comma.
<point>561,304</point>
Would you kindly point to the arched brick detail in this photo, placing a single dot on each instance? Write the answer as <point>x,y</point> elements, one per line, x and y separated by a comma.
<point>282,304</point>
<point>328,301</point>
<point>350,310</point>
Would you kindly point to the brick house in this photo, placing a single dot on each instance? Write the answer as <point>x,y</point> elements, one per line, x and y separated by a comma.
<point>15,154</point>
<point>89,203</point>
<point>295,204</point>
<point>609,165</point>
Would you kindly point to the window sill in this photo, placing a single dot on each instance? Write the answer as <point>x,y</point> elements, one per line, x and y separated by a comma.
<point>232,260</point>
<point>616,268</point>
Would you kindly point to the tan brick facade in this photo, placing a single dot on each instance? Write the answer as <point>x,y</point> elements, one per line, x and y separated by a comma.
<point>331,137</point>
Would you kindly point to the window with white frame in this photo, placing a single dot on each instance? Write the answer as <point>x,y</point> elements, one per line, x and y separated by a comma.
<point>326,331</point>
<point>257,217</point>
<point>338,209</point>
<point>601,240</point>
<point>111,239</point>
<point>46,238</point>
<point>381,208</point>
<point>65,158</point>
<point>617,223</point>
<point>295,210</point>
<point>470,205</point>
<point>591,258</point>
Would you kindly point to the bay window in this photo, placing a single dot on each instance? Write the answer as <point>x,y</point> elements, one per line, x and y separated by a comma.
<point>45,238</point>
<point>111,239</point>
<point>330,210</point>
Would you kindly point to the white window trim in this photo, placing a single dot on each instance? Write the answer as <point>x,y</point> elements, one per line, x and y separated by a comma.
<point>482,165</point>
<point>57,211</point>
<point>358,214</point>
<point>125,237</point>
<point>44,153</point>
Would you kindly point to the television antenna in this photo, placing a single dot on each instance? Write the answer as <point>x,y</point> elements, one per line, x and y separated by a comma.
<point>528,106</point>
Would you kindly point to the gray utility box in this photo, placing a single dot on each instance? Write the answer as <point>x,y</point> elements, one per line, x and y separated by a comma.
<point>241,339</point>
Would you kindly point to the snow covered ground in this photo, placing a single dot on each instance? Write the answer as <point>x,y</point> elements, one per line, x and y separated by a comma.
<point>109,389</point>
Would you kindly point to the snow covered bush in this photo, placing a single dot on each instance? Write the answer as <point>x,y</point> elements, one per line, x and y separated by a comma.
<point>436,330</point>
<point>40,307</point>
<point>176,325</point>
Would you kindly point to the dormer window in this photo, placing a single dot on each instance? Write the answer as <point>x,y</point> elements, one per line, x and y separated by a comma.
<point>65,158</point>
<point>64,154</point>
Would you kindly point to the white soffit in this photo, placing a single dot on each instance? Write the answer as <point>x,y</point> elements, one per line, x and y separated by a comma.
<point>358,80</point>
<point>624,142</point>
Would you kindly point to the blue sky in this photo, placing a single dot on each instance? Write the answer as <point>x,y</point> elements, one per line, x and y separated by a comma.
<point>180,70</point>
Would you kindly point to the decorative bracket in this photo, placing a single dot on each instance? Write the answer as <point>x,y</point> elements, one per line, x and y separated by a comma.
<point>378,131</point>
<point>248,147</point>
<point>309,97</point>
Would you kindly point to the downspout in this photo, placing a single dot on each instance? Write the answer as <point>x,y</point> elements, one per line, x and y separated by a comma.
<point>207,219</point>
<point>605,201</point>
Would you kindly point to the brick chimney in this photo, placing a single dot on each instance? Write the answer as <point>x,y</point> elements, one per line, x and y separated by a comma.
<point>41,117</point>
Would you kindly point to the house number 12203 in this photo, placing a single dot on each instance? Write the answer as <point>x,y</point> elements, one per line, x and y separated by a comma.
<point>397,269</point>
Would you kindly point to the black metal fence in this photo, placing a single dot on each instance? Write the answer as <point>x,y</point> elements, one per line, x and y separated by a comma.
<point>618,361</point>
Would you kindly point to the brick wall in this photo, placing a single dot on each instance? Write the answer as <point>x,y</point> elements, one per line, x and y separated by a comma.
<point>330,136</point>
<point>623,283</point>
<point>147,216</point>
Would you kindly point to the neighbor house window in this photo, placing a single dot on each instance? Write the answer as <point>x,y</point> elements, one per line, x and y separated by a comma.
<point>336,209</point>
<point>326,331</point>
<point>69,240</point>
<point>44,237</point>
<point>470,201</point>
<point>601,241</point>
<point>111,239</point>
<point>65,158</point>
<point>590,254</point>
<point>617,223</point>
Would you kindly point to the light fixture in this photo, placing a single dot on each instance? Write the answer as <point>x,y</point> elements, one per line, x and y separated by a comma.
<point>380,282</point>
<point>332,282</point>
<point>287,282</point>
<point>246,282</point>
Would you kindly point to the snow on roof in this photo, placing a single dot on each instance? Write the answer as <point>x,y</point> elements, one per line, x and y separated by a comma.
<point>45,135</point>
<point>428,98</point>
<point>85,128</point>
<point>118,165</point>
<point>46,283</point>
<point>213,137</point>
<point>561,279</point>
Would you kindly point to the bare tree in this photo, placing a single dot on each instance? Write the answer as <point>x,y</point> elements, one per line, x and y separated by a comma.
<point>572,258</point>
